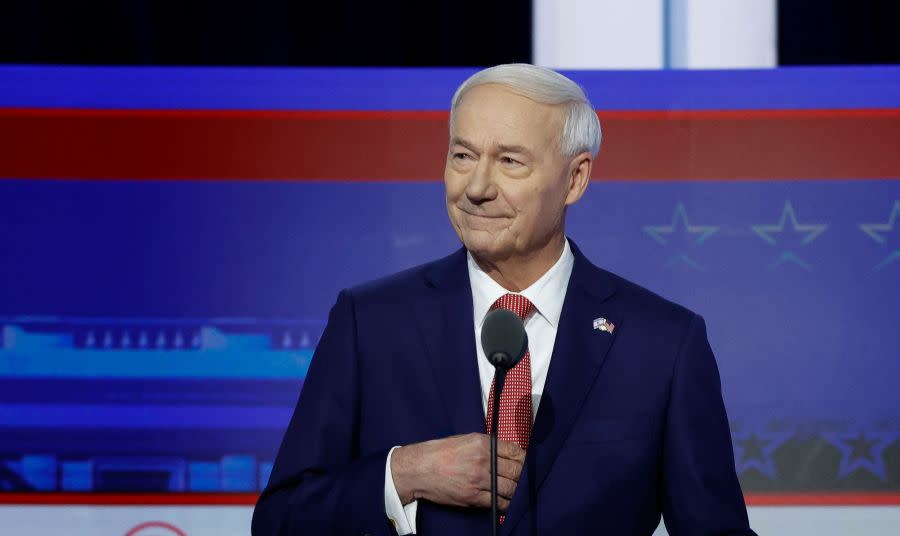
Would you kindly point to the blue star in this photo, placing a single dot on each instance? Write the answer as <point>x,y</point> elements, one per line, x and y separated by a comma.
<point>663,233</point>
<point>861,451</point>
<point>873,230</point>
<point>766,231</point>
<point>753,449</point>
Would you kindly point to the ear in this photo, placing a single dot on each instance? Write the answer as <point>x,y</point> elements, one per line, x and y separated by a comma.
<point>579,176</point>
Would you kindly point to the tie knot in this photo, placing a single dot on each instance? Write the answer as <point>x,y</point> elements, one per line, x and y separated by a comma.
<point>516,303</point>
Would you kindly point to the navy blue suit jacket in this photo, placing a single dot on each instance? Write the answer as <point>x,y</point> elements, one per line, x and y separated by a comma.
<point>630,425</point>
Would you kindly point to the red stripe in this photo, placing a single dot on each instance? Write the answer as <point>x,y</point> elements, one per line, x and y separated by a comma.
<point>124,499</point>
<point>351,145</point>
<point>823,499</point>
<point>249,499</point>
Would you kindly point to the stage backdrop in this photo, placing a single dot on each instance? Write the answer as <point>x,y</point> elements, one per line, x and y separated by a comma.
<point>171,241</point>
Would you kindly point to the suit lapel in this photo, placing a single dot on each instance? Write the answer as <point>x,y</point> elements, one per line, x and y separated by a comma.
<point>445,321</point>
<point>578,354</point>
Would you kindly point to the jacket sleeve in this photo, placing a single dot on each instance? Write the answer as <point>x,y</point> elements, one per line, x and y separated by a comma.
<point>702,495</point>
<point>319,483</point>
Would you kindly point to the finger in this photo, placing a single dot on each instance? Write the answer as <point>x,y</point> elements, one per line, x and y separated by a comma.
<point>509,469</point>
<point>510,451</point>
<point>483,500</point>
<point>505,487</point>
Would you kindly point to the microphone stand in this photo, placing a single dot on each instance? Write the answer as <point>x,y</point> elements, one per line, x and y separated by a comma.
<point>499,379</point>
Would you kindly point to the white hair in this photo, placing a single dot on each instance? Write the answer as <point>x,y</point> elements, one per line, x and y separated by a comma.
<point>581,130</point>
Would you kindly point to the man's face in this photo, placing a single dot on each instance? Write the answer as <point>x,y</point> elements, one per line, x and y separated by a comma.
<point>507,183</point>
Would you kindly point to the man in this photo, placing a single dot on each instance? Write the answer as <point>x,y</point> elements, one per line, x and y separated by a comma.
<point>613,417</point>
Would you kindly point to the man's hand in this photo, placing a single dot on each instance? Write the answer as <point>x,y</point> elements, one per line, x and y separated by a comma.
<point>456,471</point>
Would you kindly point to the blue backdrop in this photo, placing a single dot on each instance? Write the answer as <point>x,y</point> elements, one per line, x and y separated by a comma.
<point>154,334</point>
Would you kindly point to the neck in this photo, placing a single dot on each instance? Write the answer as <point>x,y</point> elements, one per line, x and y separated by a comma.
<point>519,272</point>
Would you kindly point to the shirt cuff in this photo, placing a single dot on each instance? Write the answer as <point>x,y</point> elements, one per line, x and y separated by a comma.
<point>402,517</point>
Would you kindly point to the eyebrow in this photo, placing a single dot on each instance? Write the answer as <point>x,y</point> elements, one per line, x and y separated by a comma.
<point>456,140</point>
<point>503,148</point>
<point>514,149</point>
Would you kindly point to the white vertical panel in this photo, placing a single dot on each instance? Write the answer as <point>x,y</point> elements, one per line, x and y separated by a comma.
<point>598,34</point>
<point>710,34</point>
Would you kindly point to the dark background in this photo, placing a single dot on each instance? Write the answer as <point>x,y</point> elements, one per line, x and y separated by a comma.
<point>372,33</point>
<point>838,32</point>
<point>266,32</point>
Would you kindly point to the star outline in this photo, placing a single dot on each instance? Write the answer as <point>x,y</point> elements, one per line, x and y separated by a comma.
<point>846,443</point>
<point>765,232</point>
<point>873,230</point>
<point>680,220</point>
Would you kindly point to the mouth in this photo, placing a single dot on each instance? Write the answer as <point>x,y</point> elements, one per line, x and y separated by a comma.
<point>483,216</point>
<point>488,223</point>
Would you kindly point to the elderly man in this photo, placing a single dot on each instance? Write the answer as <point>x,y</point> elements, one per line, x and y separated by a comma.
<point>613,417</point>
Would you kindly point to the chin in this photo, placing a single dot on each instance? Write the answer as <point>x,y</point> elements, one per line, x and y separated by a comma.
<point>484,246</point>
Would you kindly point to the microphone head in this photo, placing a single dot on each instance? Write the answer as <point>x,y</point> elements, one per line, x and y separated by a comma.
<point>503,338</point>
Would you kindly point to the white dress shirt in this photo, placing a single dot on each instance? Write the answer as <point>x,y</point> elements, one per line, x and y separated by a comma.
<point>547,294</point>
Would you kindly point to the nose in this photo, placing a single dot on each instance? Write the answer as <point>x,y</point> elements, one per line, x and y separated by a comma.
<point>480,187</point>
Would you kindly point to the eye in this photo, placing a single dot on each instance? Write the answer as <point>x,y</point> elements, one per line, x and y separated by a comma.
<point>510,161</point>
<point>462,156</point>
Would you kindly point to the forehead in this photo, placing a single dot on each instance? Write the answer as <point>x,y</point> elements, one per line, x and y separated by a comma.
<point>492,113</point>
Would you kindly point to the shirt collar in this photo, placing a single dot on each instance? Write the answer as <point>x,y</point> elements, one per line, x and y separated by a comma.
<point>547,293</point>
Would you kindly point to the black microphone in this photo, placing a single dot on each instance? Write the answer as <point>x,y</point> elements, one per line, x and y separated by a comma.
<point>503,338</point>
<point>504,341</point>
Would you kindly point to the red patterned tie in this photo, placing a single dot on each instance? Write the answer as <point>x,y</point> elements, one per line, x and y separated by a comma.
<point>514,422</point>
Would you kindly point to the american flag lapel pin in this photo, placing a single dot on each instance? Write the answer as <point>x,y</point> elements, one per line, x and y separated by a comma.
<point>604,325</point>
